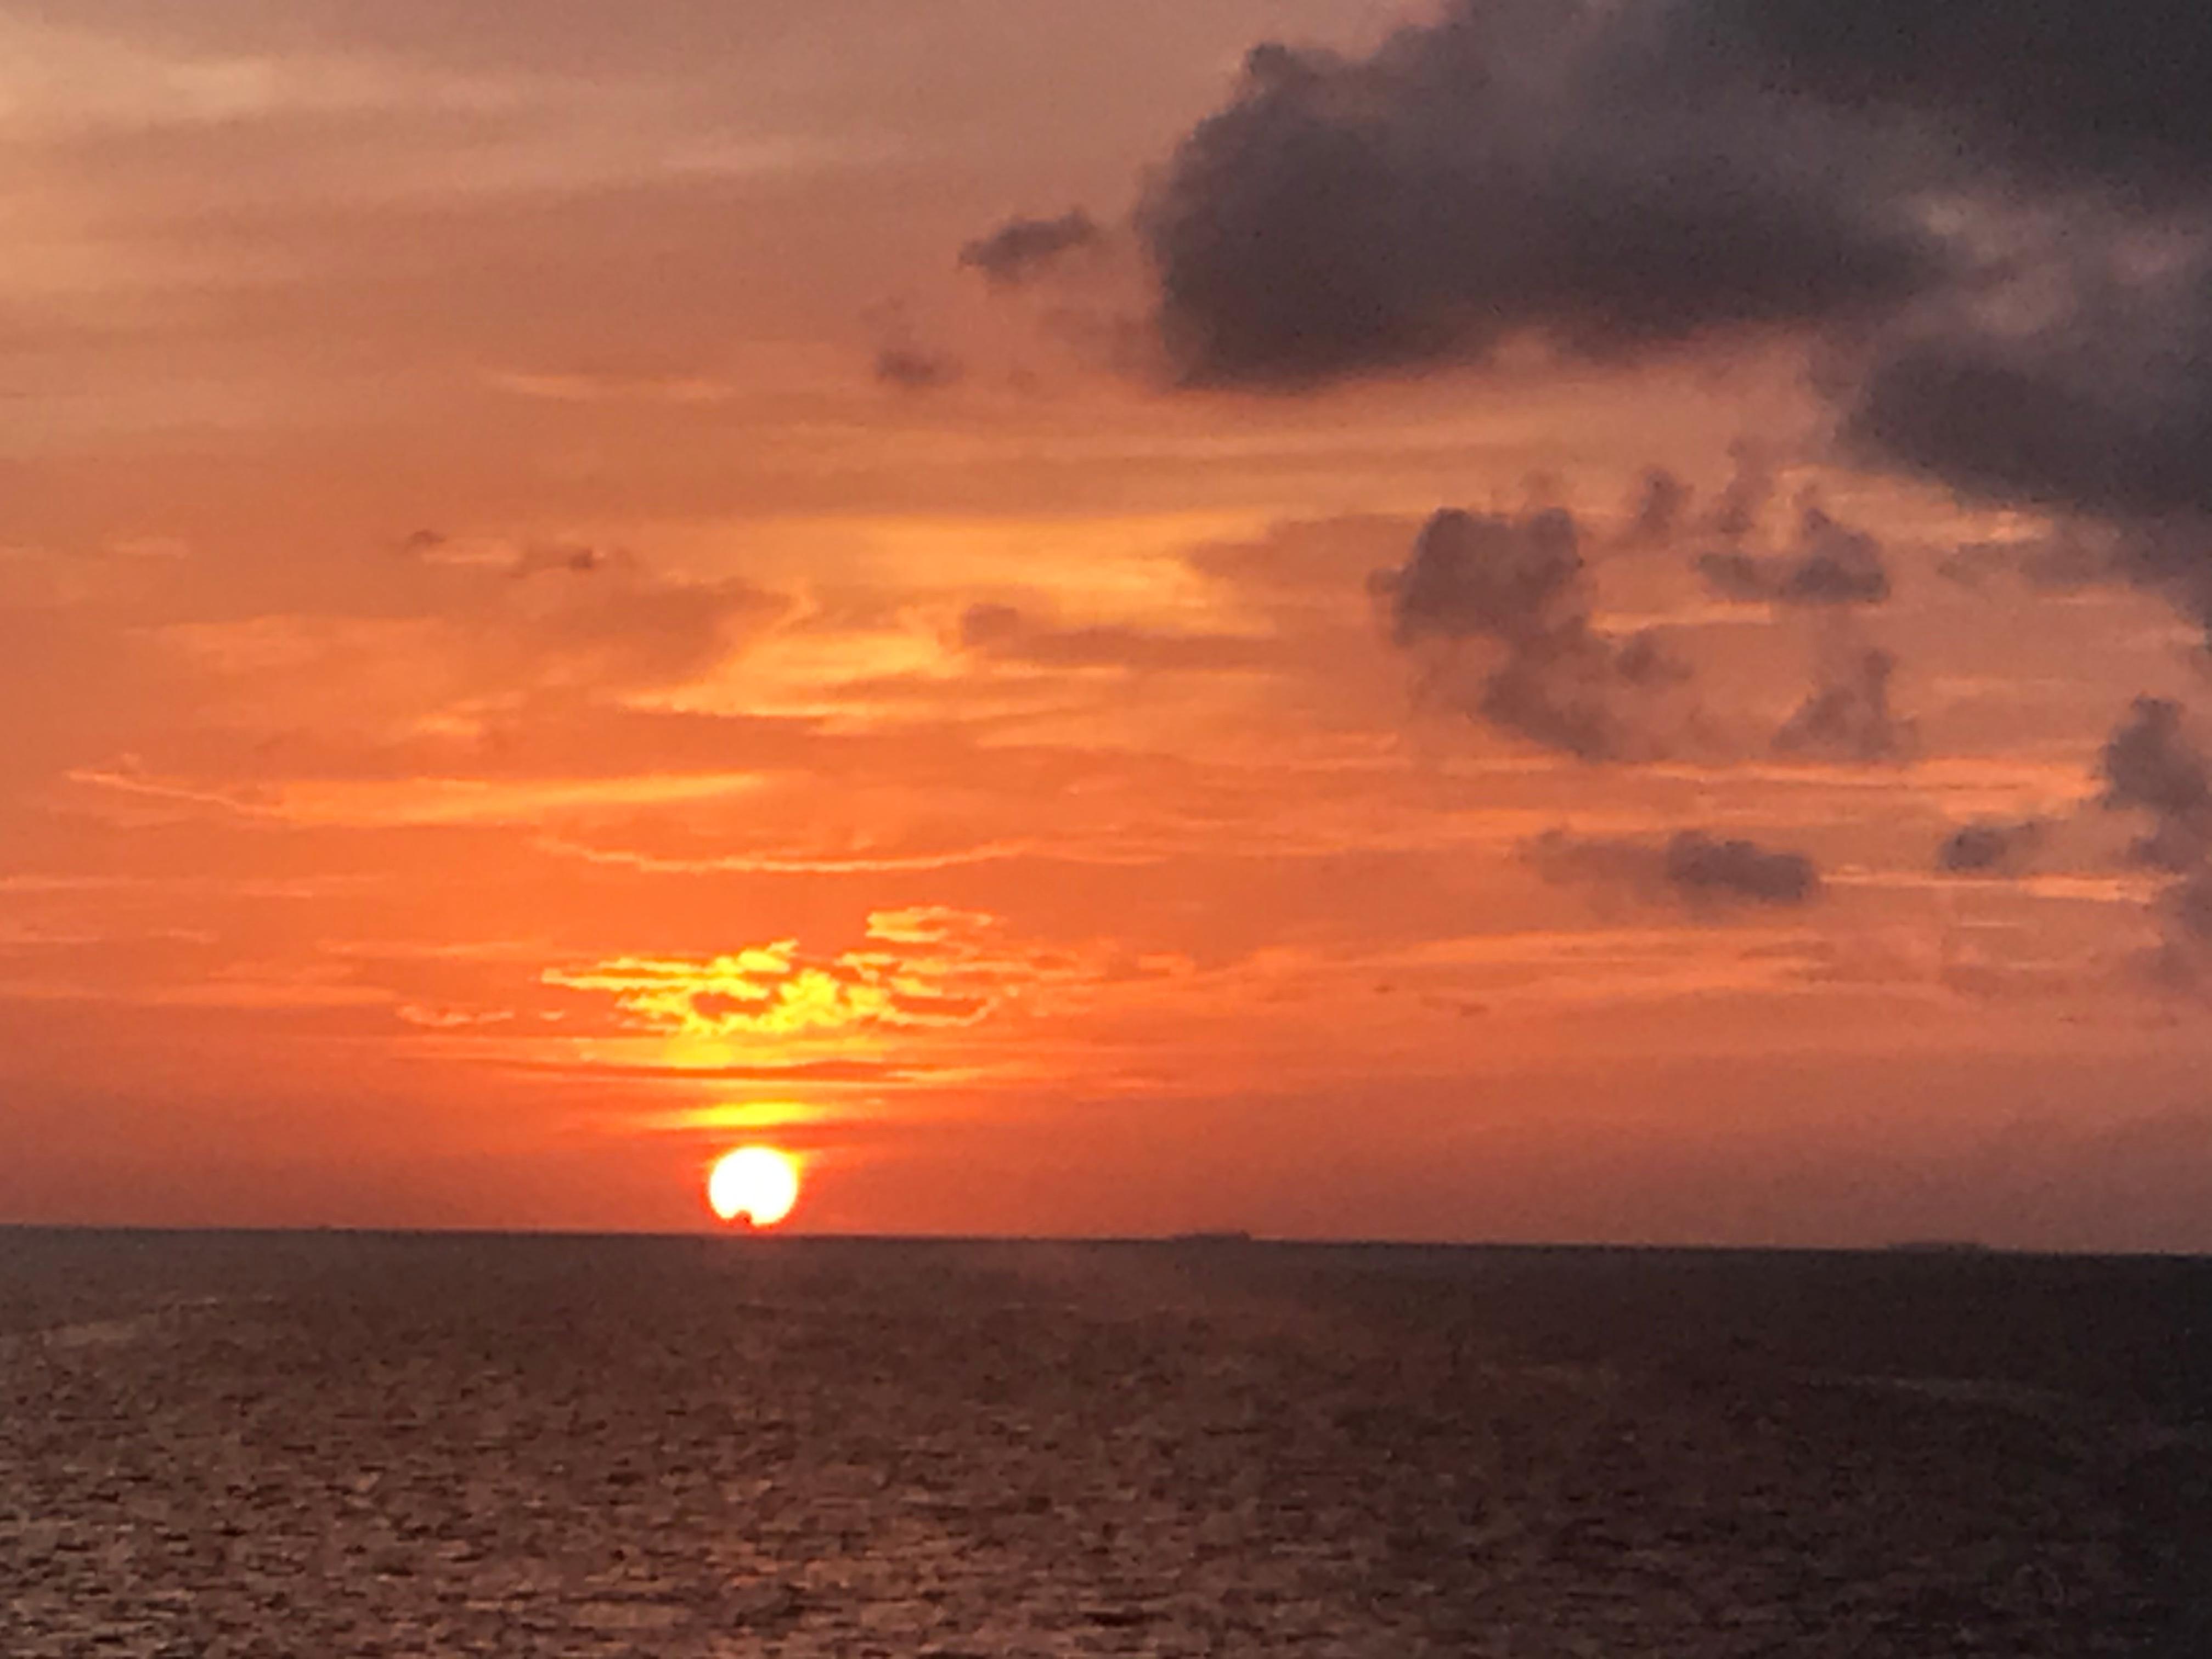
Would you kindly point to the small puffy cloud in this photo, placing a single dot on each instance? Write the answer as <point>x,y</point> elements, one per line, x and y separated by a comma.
<point>1706,871</point>
<point>1831,564</point>
<point>1847,716</point>
<point>1514,581</point>
<point>1699,871</point>
<point>2152,765</point>
<point>1508,601</point>
<point>1023,248</point>
<point>1990,848</point>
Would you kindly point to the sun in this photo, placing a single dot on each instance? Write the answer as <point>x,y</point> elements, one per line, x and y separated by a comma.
<point>758,1182</point>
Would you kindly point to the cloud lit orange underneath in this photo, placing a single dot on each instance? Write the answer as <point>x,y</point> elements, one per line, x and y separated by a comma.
<point>757,1182</point>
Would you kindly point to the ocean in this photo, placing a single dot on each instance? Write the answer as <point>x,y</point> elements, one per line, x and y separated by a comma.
<point>319,1446</point>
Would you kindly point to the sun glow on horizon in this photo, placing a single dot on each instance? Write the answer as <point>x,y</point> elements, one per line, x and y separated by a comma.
<point>758,1182</point>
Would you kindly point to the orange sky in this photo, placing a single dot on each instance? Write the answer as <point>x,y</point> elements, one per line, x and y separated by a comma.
<point>554,630</point>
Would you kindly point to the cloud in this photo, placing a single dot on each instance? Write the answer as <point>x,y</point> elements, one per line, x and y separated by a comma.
<point>1699,871</point>
<point>1833,564</point>
<point>2151,765</point>
<point>1507,602</point>
<point>2105,409</point>
<point>1993,221</point>
<point>1005,633</point>
<point>913,972</point>
<point>1662,502</point>
<point>2073,374</point>
<point>1990,848</point>
<point>1511,169</point>
<point>1847,716</point>
<point>773,990</point>
<point>2065,561</point>
<point>1709,872</point>
<point>609,624</point>
<point>459,681</point>
<point>2083,90</point>
<point>1742,508</point>
<point>909,368</point>
<point>928,925</point>
<point>1830,570</point>
<point>575,560</point>
<point>1023,248</point>
<point>1509,580</point>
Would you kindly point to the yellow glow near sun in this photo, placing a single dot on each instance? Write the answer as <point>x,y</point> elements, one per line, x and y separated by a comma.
<point>758,1182</point>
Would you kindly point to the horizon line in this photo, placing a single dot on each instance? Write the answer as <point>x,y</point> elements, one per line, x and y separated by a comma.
<point>1223,1240</point>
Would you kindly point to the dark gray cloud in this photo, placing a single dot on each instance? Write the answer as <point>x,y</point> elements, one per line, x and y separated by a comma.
<point>1848,715</point>
<point>1512,169</point>
<point>1650,170</point>
<point>2106,410</point>
<point>1990,848</point>
<point>1509,580</point>
<point>1699,872</point>
<point>1832,571</point>
<point>2102,90</point>
<point>1504,610</point>
<point>1706,871</point>
<point>1507,603</point>
<point>1023,248</point>
<point>1831,564</point>
<point>2077,382</point>
<point>2064,562</point>
<point>2174,560</point>
<point>2152,765</point>
<point>1834,564</point>
<point>1994,217</point>
<point>1741,578</point>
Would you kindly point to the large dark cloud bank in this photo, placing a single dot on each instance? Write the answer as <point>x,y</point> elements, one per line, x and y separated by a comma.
<point>1989,222</point>
<point>1995,215</point>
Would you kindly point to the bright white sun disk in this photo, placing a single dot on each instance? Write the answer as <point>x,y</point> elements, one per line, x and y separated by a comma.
<point>758,1182</point>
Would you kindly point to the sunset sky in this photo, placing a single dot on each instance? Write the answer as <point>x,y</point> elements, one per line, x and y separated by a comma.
<point>1486,621</point>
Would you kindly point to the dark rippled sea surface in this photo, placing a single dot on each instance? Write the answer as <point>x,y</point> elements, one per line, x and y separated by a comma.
<point>318,1447</point>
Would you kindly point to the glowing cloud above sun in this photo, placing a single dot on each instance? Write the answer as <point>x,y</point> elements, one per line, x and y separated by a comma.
<point>757,1182</point>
